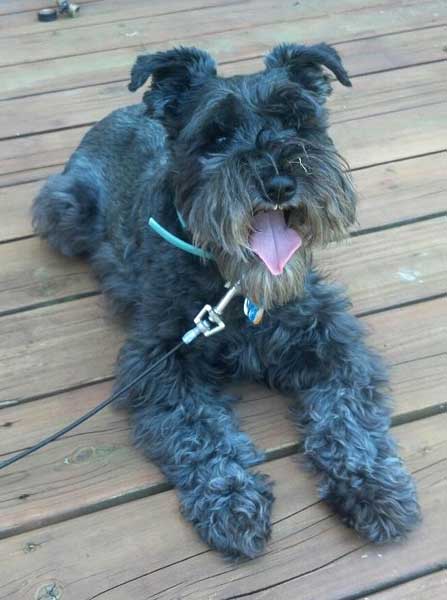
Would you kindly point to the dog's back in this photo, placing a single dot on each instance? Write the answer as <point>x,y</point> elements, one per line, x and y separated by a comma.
<point>91,199</point>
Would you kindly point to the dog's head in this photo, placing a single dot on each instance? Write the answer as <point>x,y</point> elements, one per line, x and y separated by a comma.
<point>256,177</point>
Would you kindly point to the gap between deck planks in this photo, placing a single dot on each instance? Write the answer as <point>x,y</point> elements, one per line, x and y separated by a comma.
<point>54,110</point>
<point>379,269</point>
<point>84,37</point>
<point>433,372</point>
<point>97,466</point>
<point>157,552</point>
<point>369,128</point>
<point>431,587</point>
<point>56,334</point>
<point>271,25</point>
<point>389,194</point>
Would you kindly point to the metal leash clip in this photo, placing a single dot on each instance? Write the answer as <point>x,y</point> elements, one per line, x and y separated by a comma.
<point>209,320</point>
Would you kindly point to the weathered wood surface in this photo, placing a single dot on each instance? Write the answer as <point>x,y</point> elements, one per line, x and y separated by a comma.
<point>52,348</point>
<point>376,268</point>
<point>432,586</point>
<point>58,345</point>
<point>144,547</point>
<point>392,193</point>
<point>308,21</point>
<point>98,457</point>
<point>71,344</point>
<point>56,109</point>
<point>367,123</point>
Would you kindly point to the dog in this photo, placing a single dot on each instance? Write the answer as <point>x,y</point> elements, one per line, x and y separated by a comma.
<point>243,171</point>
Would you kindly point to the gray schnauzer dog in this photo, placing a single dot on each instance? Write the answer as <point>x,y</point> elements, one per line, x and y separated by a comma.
<point>241,173</point>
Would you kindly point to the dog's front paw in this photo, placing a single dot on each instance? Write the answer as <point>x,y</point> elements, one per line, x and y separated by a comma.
<point>232,512</point>
<point>382,508</point>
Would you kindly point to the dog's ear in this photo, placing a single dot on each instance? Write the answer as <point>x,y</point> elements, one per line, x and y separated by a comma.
<point>304,65</point>
<point>173,73</point>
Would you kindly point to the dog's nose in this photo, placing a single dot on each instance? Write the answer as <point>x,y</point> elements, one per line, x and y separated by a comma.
<point>280,188</point>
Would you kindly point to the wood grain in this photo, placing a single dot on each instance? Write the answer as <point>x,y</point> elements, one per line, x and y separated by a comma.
<point>392,193</point>
<point>51,111</point>
<point>100,37</point>
<point>391,267</point>
<point>14,178</point>
<point>15,207</point>
<point>144,546</point>
<point>361,22</point>
<point>27,8</point>
<point>379,269</point>
<point>387,110</point>
<point>98,12</point>
<point>31,273</point>
<point>75,345</point>
<point>369,138</point>
<point>401,191</point>
<point>56,347</point>
<point>432,586</point>
<point>88,517</point>
<point>96,465</point>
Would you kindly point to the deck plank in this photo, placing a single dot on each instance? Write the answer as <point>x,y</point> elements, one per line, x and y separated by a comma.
<point>100,37</point>
<point>393,193</point>
<point>32,273</point>
<point>55,110</point>
<point>97,465</point>
<point>373,135</point>
<point>75,341</point>
<point>401,191</point>
<point>29,8</point>
<point>364,23</point>
<point>99,12</point>
<point>379,269</point>
<point>433,586</point>
<point>144,546</point>
<point>55,347</point>
<point>89,513</point>
<point>391,267</point>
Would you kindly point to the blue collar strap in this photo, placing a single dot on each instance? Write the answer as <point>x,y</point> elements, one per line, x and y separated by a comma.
<point>253,312</point>
<point>177,242</point>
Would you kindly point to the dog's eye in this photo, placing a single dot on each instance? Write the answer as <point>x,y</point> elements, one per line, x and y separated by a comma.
<point>217,139</point>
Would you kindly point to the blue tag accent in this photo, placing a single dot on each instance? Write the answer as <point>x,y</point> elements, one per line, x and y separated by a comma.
<point>253,312</point>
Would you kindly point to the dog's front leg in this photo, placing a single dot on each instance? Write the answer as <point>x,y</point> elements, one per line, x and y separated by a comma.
<point>186,426</point>
<point>317,353</point>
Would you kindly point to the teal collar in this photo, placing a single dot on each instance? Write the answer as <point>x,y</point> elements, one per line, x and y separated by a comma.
<point>177,242</point>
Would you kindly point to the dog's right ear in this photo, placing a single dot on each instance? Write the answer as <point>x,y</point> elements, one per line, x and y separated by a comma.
<point>173,73</point>
<point>304,66</point>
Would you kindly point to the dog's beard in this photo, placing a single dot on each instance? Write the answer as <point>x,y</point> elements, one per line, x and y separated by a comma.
<point>258,284</point>
<point>323,214</point>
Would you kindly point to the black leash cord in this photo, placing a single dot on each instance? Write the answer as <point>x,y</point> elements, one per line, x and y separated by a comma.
<point>90,413</point>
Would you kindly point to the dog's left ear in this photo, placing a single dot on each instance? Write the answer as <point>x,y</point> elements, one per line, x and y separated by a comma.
<point>304,65</point>
<point>173,73</point>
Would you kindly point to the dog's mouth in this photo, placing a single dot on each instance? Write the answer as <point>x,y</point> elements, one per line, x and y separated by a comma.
<point>272,240</point>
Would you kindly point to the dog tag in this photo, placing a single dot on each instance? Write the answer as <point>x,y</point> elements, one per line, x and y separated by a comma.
<point>253,312</point>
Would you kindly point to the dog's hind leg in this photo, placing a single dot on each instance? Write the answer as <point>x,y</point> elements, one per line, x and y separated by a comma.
<point>186,425</point>
<point>66,212</point>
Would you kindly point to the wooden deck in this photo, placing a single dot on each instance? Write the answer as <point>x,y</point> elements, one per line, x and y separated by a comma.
<point>87,517</point>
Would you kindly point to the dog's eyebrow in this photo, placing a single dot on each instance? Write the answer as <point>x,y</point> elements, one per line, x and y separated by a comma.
<point>287,97</point>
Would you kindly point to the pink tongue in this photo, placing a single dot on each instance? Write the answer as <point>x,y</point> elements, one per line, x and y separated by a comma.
<point>273,241</point>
